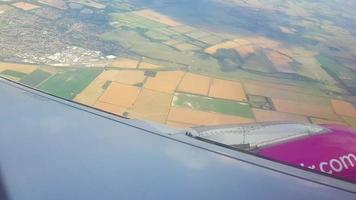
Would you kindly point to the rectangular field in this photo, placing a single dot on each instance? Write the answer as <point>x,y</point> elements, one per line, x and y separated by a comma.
<point>227,90</point>
<point>195,84</point>
<point>165,81</point>
<point>35,78</point>
<point>305,108</point>
<point>155,16</point>
<point>212,105</point>
<point>69,83</point>
<point>273,116</point>
<point>344,108</point>
<point>186,116</point>
<point>60,4</point>
<point>25,6</point>
<point>152,105</point>
<point>120,95</point>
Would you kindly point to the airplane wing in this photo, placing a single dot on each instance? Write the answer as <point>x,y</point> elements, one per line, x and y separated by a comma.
<point>51,148</point>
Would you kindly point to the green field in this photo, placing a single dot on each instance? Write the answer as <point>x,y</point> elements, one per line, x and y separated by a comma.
<point>12,73</point>
<point>141,45</point>
<point>35,78</point>
<point>337,71</point>
<point>212,105</point>
<point>69,83</point>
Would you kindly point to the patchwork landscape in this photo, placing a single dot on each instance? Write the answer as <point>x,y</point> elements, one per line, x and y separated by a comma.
<point>162,62</point>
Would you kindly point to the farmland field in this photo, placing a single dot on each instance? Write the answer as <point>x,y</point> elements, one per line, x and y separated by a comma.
<point>179,62</point>
<point>212,105</point>
<point>35,78</point>
<point>69,83</point>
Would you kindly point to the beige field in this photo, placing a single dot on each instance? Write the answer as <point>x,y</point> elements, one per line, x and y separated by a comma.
<point>120,95</point>
<point>118,110</point>
<point>60,4</point>
<point>186,47</point>
<point>305,108</point>
<point>189,116</point>
<point>344,108</point>
<point>183,29</point>
<point>195,84</point>
<point>27,69</point>
<point>152,105</point>
<point>278,59</point>
<point>165,81</point>
<point>286,92</point>
<point>242,41</point>
<point>286,30</point>
<point>129,77</point>
<point>245,50</point>
<point>227,90</point>
<point>25,6</point>
<point>90,3</point>
<point>264,42</point>
<point>4,8</point>
<point>211,39</point>
<point>146,65</point>
<point>180,124</point>
<point>281,86</point>
<point>273,116</point>
<point>311,68</point>
<point>173,42</point>
<point>245,43</point>
<point>225,45</point>
<point>325,121</point>
<point>155,16</point>
<point>196,34</point>
<point>92,92</point>
<point>350,120</point>
<point>124,63</point>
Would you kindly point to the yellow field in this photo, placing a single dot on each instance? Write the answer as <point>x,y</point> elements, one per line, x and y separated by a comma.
<point>146,65</point>
<point>129,77</point>
<point>4,8</point>
<point>124,63</point>
<point>264,42</point>
<point>350,120</point>
<point>165,81</point>
<point>325,121</point>
<point>180,124</point>
<point>211,39</point>
<point>245,50</point>
<point>120,95</point>
<point>195,84</point>
<point>186,47</point>
<point>287,92</point>
<point>278,59</point>
<point>307,109</point>
<point>152,105</point>
<point>172,42</point>
<point>155,16</point>
<point>344,108</point>
<point>189,116</point>
<point>273,116</point>
<point>60,4</point>
<point>311,68</point>
<point>25,6</point>
<point>227,90</point>
<point>243,46</point>
<point>225,45</point>
<point>118,110</point>
<point>92,92</point>
<point>27,69</point>
<point>90,3</point>
<point>183,29</point>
